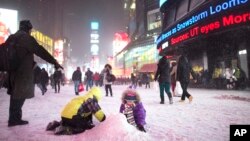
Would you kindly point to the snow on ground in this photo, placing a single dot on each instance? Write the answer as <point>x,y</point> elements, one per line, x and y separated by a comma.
<point>207,118</point>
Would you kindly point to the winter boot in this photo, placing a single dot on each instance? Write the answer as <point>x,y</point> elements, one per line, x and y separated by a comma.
<point>162,100</point>
<point>190,99</point>
<point>52,125</point>
<point>171,100</point>
<point>19,122</point>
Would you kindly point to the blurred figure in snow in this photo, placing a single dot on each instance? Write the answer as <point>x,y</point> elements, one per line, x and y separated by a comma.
<point>57,79</point>
<point>133,109</point>
<point>184,70</point>
<point>77,79</point>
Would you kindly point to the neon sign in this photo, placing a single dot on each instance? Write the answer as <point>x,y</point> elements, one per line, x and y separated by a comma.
<point>224,22</point>
<point>205,13</point>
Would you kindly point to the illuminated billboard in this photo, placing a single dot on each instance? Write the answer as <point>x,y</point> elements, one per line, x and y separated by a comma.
<point>120,41</point>
<point>94,25</point>
<point>58,52</point>
<point>43,40</point>
<point>213,17</point>
<point>8,23</point>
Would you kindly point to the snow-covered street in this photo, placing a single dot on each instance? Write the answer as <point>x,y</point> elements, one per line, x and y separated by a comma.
<point>207,118</point>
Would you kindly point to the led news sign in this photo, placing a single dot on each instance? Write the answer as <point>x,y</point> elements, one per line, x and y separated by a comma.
<point>216,11</point>
<point>224,22</point>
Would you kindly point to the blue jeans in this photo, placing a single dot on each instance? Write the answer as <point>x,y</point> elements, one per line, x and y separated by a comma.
<point>89,84</point>
<point>76,83</point>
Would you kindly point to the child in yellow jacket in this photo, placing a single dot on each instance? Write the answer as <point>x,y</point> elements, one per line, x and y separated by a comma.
<point>77,114</point>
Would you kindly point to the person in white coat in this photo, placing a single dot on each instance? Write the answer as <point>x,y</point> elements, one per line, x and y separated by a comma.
<point>106,71</point>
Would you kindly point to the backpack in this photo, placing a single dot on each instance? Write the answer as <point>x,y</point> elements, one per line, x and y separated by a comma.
<point>9,60</point>
<point>110,77</point>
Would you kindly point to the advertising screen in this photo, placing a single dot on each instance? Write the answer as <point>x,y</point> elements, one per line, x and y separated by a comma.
<point>120,41</point>
<point>213,17</point>
<point>94,25</point>
<point>8,23</point>
<point>58,52</point>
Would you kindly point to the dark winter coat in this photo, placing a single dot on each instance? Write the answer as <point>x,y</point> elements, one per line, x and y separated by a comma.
<point>163,71</point>
<point>89,75</point>
<point>139,113</point>
<point>37,71</point>
<point>22,80</point>
<point>77,76</point>
<point>133,79</point>
<point>44,77</point>
<point>57,75</point>
<point>145,78</point>
<point>183,70</point>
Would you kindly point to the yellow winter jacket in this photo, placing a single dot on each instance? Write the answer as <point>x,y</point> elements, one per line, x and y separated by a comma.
<point>85,105</point>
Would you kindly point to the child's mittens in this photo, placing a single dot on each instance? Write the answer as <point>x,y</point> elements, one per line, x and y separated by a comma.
<point>141,128</point>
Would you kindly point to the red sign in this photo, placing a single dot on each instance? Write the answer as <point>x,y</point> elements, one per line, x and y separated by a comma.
<point>224,22</point>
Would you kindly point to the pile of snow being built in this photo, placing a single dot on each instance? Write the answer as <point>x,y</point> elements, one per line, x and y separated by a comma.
<point>114,128</point>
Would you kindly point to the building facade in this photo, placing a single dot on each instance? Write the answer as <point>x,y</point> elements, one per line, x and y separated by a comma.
<point>144,25</point>
<point>213,32</point>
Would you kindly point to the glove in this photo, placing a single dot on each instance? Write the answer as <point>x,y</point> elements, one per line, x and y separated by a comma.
<point>141,128</point>
<point>103,118</point>
<point>57,66</point>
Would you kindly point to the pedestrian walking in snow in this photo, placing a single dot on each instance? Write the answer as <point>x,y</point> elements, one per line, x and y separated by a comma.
<point>184,70</point>
<point>133,109</point>
<point>106,72</point>
<point>77,79</point>
<point>89,79</point>
<point>163,77</point>
<point>96,78</point>
<point>57,79</point>
<point>21,81</point>
<point>133,80</point>
<point>76,116</point>
<point>44,80</point>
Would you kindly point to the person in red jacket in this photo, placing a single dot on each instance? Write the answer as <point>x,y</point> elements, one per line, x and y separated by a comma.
<point>96,78</point>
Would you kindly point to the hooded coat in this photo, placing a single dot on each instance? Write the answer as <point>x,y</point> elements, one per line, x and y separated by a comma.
<point>21,81</point>
<point>183,70</point>
<point>138,110</point>
<point>163,71</point>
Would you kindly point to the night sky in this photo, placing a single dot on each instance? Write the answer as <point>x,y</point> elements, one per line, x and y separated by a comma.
<point>77,17</point>
<point>79,14</point>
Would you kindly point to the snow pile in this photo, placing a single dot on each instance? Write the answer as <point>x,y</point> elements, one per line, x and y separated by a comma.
<point>115,128</point>
<point>232,97</point>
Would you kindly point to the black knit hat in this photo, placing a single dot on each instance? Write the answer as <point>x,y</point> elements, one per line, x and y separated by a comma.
<point>25,25</point>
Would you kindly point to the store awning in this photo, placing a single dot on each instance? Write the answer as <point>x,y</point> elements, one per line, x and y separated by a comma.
<point>149,68</point>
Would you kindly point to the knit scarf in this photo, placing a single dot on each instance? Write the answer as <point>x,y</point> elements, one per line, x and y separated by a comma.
<point>129,114</point>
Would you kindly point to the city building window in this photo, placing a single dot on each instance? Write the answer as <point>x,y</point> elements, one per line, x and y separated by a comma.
<point>182,9</point>
<point>169,17</point>
<point>195,3</point>
<point>154,19</point>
